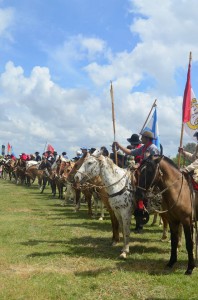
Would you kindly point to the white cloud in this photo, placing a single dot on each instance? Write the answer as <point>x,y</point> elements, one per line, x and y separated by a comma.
<point>6,21</point>
<point>34,109</point>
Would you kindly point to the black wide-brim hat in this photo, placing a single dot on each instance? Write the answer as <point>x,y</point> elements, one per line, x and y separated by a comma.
<point>196,134</point>
<point>134,139</point>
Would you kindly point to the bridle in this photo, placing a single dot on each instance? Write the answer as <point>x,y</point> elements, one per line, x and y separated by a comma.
<point>159,172</point>
<point>106,186</point>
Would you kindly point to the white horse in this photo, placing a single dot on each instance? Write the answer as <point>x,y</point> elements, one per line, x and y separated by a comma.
<point>118,185</point>
<point>31,163</point>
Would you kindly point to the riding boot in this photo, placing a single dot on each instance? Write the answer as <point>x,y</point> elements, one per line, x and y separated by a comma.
<point>139,225</point>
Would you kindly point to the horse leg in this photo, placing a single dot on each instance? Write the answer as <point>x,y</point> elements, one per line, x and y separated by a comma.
<point>165,228</point>
<point>77,200</point>
<point>95,206</point>
<point>188,231</point>
<point>44,184</point>
<point>53,187</point>
<point>88,198</point>
<point>115,228</point>
<point>154,219</point>
<point>114,220</point>
<point>101,210</point>
<point>174,229</point>
<point>126,221</point>
<point>180,235</point>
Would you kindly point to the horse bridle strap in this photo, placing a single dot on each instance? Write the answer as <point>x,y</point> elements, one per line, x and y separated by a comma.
<point>119,193</point>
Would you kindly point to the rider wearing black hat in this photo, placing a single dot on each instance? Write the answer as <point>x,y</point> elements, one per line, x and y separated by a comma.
<point>135,142</point>
<point>134,139</point>
<point>37,158</point>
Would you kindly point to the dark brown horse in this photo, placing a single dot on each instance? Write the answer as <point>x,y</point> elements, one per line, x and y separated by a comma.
<point>176,201</point>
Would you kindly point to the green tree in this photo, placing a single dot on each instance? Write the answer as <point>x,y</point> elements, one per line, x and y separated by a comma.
<point>190,147</point>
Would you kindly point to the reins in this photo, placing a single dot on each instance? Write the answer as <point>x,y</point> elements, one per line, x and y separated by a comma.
<point>88,185</point>
<point>151,187</point>
<point>167,188</point>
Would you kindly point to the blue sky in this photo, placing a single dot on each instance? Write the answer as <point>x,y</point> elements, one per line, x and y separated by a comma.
<point>58,58</point>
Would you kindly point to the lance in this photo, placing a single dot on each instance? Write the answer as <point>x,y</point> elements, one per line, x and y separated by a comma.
<point>182,127</point>
<point>113,119</point>
<point>154,105</point>
<point>45,147</point>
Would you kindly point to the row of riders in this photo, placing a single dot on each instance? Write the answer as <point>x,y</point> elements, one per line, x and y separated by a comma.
<point>146,176</point>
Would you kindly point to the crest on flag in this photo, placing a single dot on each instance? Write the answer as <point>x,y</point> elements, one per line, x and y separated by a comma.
<point>152,125</point>
<point>192,125</point>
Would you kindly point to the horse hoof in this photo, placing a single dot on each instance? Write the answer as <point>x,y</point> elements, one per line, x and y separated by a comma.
<point>170,264</point>
<point>188,272</point>
<point>164,239</point>
<point>179,245</point>
<point>123,255</point>
<point>114,244</point>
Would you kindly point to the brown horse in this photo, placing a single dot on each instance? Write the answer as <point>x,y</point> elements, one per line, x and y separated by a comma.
<point>176,201</point>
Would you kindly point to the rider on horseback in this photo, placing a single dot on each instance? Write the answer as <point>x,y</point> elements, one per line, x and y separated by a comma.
<point>148,148</point>
<point>193,167</point>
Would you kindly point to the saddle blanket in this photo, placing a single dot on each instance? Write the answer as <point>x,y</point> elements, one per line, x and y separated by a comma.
<point>194,184</point>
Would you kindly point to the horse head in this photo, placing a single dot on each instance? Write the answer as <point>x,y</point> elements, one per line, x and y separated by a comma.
<point>148,175</point>
<point>90,167</point>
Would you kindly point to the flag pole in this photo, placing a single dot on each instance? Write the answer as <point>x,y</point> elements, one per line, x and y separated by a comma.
<point>182,127</point>
<point>154,105</point>
<point>113,119</point>
<point>45,147</point>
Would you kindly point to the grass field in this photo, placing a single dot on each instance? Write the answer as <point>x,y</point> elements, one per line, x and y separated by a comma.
<point>49,252</point>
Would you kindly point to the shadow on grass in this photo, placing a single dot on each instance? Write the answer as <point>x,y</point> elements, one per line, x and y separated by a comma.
<point>90,247</point>
<point>133,265</point>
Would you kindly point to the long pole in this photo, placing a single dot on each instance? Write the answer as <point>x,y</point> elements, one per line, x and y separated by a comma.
<point>154,105</point>
<point>45,147</point>
<point>113,119</point>
<point>182,127</point>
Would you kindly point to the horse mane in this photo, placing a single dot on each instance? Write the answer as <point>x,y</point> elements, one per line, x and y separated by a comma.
<point>111,163</point>
<point>171,162</point>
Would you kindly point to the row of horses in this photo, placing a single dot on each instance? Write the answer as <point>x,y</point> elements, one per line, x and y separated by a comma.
<point>119,190</point>
<point>179,202</point>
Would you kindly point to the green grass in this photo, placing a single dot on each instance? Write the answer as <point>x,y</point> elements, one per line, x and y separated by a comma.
<point>50,252</point>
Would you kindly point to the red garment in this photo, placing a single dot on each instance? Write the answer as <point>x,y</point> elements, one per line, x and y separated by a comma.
<point>140,204</point>
<point>138,157</point>
<point>144,150</point>
<point>24,157</point>
<point>194,184</point>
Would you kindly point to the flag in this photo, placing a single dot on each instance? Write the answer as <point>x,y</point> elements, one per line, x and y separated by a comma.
<point>50,148</point>
<point>12,151</point>
<point>187,98</point>
<point>152,125</point>
<point>190,108</point>
<point>192,125</point>
<point>8,148</point>
<point>3,150</point>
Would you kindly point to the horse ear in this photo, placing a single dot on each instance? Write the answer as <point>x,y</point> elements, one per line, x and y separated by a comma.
<point>157,158</point>
<point>97,153</point>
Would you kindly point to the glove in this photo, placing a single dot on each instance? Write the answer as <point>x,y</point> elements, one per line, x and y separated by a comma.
<point>184,171</point>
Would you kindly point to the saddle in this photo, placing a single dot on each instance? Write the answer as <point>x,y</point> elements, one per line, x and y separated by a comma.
<point>194,184</point>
